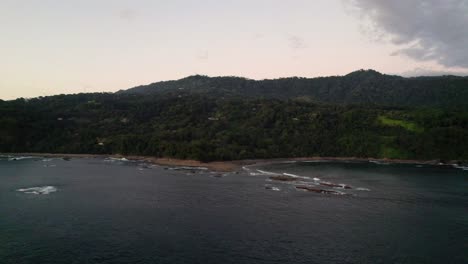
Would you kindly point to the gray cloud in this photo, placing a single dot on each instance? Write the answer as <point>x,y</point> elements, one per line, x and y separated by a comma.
<point>425,29</point>
<point>432,72</point>
<point>296,43</point>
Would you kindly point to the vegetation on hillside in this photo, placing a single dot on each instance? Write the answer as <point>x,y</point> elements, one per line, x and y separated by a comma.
<point>359,87</point>
<point>211,127</point>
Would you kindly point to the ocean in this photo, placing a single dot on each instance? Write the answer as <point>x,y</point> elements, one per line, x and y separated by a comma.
<point>118,211</point>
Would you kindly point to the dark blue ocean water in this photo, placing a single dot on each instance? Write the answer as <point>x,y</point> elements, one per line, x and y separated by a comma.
<point>126,212</point>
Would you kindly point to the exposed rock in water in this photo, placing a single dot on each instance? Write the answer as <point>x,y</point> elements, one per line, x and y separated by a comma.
<point>192,169</point>
<point>329,184</point>
<point>317,190</point>
<point>283,178</point>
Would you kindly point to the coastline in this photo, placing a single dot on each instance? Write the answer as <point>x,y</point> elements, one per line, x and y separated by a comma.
<point>229,166</point>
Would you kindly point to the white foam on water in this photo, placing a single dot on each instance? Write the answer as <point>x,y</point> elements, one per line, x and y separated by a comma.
<point>3,157</point>
<point>305,183</point>
<point>362,189</point>
<point>268,172</point>
<point>116,159</point>
<point>316,179</point>
<point>456,166</point>
<point>341,186</point>
<point>295,176</point>
<point>273,188</point>
<point>339,193</point>
<point>19,158</point>
<point>38,190</point>
<point>379,162</point>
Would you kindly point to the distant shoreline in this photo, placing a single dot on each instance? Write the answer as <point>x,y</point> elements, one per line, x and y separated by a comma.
<point>226,166</point>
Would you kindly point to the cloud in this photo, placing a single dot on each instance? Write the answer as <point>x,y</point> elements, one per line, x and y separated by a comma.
<point>432,72</point>
<point>296,43</point>
<point>424,30</point>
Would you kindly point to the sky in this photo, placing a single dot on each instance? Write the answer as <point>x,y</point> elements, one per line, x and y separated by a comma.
<point>52,47</point>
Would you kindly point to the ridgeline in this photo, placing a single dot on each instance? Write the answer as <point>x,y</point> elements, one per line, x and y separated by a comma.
<point>362,114</point>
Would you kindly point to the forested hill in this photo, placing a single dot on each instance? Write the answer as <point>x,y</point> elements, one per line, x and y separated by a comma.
<point>209,128</point>
<point>359,87</point>
<point>362,114</point>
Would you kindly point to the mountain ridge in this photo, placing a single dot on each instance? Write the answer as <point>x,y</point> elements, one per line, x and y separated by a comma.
<point>358,87</point>
<point>363,114</point>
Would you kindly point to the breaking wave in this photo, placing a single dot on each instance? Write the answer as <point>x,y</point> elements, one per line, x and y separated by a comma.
<point>295,176</point>
<point>20,158</point>
<point>256,173</point>
<point>456,166</point>
<point>268,172</point>
<point>116,159</point>
<point>273,188</point>
<point>38,190</point>
<point>379,162</point>
<point>362,189</point>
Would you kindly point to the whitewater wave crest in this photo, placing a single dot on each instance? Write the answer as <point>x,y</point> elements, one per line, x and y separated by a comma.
<point>295,176</point>
<point>456,166</point>
<point>268,172</point>
<point>379,162</point>
<point>20,158</point>
<point>273,188</point>
<point>362,189</point>
<point>38,190</point>
<point>116,159</point>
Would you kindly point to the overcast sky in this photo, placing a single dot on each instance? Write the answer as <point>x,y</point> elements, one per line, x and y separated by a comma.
<point>57,46</point>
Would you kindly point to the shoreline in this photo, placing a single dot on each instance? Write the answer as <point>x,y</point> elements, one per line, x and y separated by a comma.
<point>229,166</point>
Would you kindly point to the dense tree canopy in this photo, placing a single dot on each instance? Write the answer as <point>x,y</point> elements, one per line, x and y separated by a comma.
<point>360,87</point>
<point>212,127</point>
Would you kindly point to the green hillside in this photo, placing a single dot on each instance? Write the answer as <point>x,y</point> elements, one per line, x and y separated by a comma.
<point>210,127</point>
<point>360,87</point>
